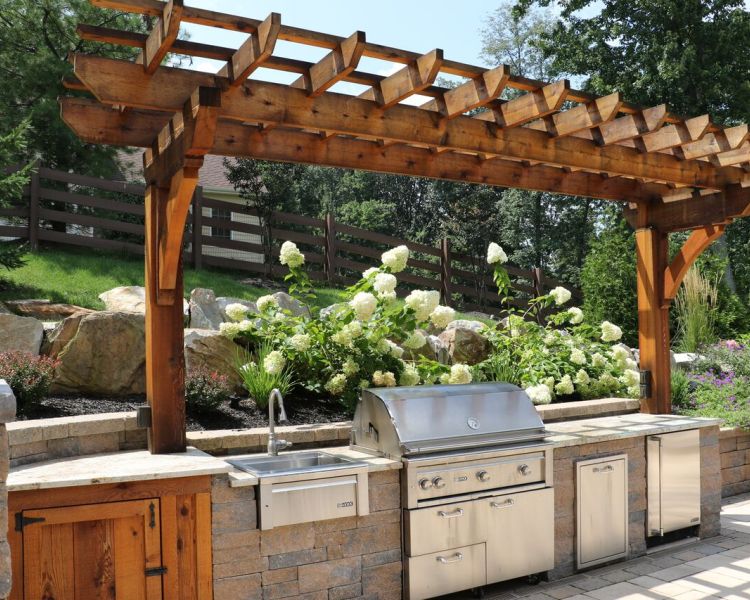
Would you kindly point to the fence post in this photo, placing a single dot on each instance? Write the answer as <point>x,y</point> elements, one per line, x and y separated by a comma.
<point>198,227</point>
<point>34,186</point>
<point>330,248</point>
<point>445,271</point>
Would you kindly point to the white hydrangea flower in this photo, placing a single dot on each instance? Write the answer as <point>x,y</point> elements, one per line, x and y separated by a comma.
<point>634,391</point>
<point>384,283</point>
<point>396,258</point>
<point>598,360</point>
<point>415,341</point>
<point>229,329</point>
<point>410,376</point>
<point>350,367</point>
<point>582,377</point>
<point>347,334</point>
<point>610,332</point>
<point>460,374</point>
<point>370,271</point>
<point>620,354</point>
<point>300,342</point>
<point>387,297</point>
<point>383,346</point>
<point>630,378</point>
<point>560,295</point>
<point>290,255</point>
<point>445,378</point>
<point>549,339</point>
<point>576,315</point>
<point>539,394</point>
<point>423,302</point>
<point>363,383</point>
<point>395,350</point>
<point>354,329</point>
<point>265,302</point>
<point>495,254</point>
<point>565,387</point>
<point>384,379</point>
<point>274,362</point>
<point>236,311</point>
<point>364,304</point>
<point>550,383</point>
<point>608,381</point>
<point>441,316</point>
<point>631,364</point>
<point>246,325</point>
<point>577,356</point>
<point>336,384</point>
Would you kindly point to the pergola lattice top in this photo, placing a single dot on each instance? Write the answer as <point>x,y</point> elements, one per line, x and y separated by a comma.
<point>550,137</point>
<point>674,173</point>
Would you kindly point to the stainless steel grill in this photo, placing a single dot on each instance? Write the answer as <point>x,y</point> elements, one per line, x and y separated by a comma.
<point>476,485</point>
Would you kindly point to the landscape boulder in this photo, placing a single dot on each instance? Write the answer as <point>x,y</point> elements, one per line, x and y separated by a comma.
<point>209,312</point>
<point>329,310</point>
<point>56,340</point>
<point>105,355</point>
<point>129,298</point>
<point>23,334</point>
<point>44,310</point>
<point>477,326</point>
<point>465,345</point>
<point>286,302</point>
<point>213,351</point>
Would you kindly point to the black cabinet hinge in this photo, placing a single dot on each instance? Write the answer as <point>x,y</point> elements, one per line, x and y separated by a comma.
<point>155,571</point>
<point>22,521</point>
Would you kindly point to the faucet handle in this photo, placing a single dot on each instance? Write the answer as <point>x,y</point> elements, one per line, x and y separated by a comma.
<point>283,444</point>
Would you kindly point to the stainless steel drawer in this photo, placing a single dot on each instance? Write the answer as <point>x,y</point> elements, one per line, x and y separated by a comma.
<point>445,526</point>
<point>309,500</point>
<point>602,499</point>
<point>520,534</point>
<point>446,572</point>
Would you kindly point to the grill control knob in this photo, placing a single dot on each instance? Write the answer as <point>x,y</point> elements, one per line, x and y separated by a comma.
<point>524,470</point>
<point>425,484</point>
<point>438,482</point>
<point>483,476</point>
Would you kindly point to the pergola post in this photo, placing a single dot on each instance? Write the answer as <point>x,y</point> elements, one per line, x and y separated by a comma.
<point>653,318</point>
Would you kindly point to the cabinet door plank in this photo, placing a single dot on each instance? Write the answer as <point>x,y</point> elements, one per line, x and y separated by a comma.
<point>48,562</point>
<point>94,548</point>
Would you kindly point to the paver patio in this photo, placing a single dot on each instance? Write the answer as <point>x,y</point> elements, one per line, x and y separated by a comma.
<point>715,568</point>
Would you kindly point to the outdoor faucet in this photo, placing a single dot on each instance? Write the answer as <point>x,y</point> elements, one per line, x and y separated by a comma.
<point>275,445</point>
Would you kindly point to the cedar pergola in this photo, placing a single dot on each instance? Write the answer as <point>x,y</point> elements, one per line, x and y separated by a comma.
<point>673,173</point>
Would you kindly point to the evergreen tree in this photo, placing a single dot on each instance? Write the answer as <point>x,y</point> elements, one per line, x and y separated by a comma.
<point>13,177</point>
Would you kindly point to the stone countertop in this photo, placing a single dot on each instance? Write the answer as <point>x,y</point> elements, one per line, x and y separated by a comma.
<point>115,467</point>
<point>603,429</point>
<point>239,478</point>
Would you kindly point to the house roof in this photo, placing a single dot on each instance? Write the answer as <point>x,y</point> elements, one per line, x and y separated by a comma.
<point>211,175</point>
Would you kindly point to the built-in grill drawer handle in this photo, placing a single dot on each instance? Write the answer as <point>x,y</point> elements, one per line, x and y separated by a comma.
<point>459,512</point>
<point>450,559</point>
<point>506,504</point>
<point>603,469</point>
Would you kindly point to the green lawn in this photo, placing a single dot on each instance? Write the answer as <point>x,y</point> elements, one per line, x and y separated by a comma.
<point>78,276</point>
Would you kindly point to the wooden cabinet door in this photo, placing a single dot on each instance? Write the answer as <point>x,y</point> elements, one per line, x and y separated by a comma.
<point>93,552</point>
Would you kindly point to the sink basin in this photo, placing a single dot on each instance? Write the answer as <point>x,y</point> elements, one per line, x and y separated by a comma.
<point>297,462</point>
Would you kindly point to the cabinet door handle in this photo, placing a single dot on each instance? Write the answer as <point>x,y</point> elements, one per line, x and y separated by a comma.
<point>604,469</point>
<point>459,512</point>
<point>450,559</point>
<point>505,504</point>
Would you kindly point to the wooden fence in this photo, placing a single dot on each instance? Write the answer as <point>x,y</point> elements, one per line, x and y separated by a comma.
<point>73,209</point>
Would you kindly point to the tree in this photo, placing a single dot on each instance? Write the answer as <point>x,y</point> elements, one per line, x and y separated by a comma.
<point>35,40</point>
<point>12,181</point>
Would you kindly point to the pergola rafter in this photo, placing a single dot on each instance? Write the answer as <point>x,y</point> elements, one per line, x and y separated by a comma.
<point>673,173</point>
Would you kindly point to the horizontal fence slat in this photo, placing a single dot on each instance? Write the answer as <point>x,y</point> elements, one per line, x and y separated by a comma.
<point>90,221</point>
<point>285,217</point>
<point>19,211</point>
<point>353,265</point>
<point>472,260</point>
<point>91,201</point>
<point>219,242</point>
<point>231,263</point>
<point>94,182</point>
<point>232,225</point>
<point>90,242</point>
<point>230,206</point>
<point>297,236</point>
<point>14,232</point>
<point>382,238</point>
<point>375,253</point>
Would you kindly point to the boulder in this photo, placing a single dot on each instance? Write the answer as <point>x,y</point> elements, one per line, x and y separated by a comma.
<point>328,310</point>
<point>44,310</point>
<point>210,349</point>
<point>224,301</point>
<point>208,312</point>
<point>105,355</point>
<point>129,298</point>
<point>476,326</point>
<point>286,302</point>
<point>684,360</point>
<point>22,334</point>
<point>4,310</point>
<point>59,337</point>
<point>465,345</point>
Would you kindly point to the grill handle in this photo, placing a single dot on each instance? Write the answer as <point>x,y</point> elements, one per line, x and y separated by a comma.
<point>446,560</point>
<point>459,512</point>
<point>506,504</point>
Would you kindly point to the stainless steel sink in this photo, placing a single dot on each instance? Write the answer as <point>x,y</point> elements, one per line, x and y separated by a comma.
<point>297,462</point>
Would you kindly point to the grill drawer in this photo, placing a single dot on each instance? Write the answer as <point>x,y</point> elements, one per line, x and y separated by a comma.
<point>445,526</point>
<point>445,572</point>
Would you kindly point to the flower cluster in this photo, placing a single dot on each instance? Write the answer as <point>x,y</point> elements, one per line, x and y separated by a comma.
<point>290,255</point>
<point>396,258</point>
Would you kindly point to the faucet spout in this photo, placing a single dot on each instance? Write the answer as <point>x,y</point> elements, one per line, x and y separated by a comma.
<point>275,445</point>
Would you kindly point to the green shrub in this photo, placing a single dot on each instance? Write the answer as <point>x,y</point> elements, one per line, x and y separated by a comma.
<point>205,390</point>
<point>28,376</point>
<point>695,307</point>
<point>259,380</point>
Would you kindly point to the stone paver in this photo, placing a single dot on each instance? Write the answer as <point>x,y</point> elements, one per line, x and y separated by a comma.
<point>718,568</point>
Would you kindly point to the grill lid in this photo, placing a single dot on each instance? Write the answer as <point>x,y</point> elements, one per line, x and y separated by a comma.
<point>417,420</point>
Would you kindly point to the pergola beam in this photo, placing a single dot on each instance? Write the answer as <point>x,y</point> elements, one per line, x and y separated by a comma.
<point>118,83</point>
<point>335,66</point>
<point>254,51</point>
<point>162,36</point>
<point>582,117</point>
<point>412,79</point>
<point>472,94</point>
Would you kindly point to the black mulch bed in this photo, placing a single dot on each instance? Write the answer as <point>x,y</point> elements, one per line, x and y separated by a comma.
<point>241,414</point>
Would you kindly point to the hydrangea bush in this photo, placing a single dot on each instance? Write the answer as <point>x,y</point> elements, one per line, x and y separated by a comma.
<point>372,340</point>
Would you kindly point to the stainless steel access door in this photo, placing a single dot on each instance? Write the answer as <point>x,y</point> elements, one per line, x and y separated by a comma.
<point>674,481</point>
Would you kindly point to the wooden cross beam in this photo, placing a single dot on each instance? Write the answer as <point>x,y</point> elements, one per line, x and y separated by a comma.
<point>412,79</point>
<point>472,94</point>
<point>335,66</point>
<point>162,36</point>
<point>256,50</point>
<point>672,136</point>
<point>582,117</point>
